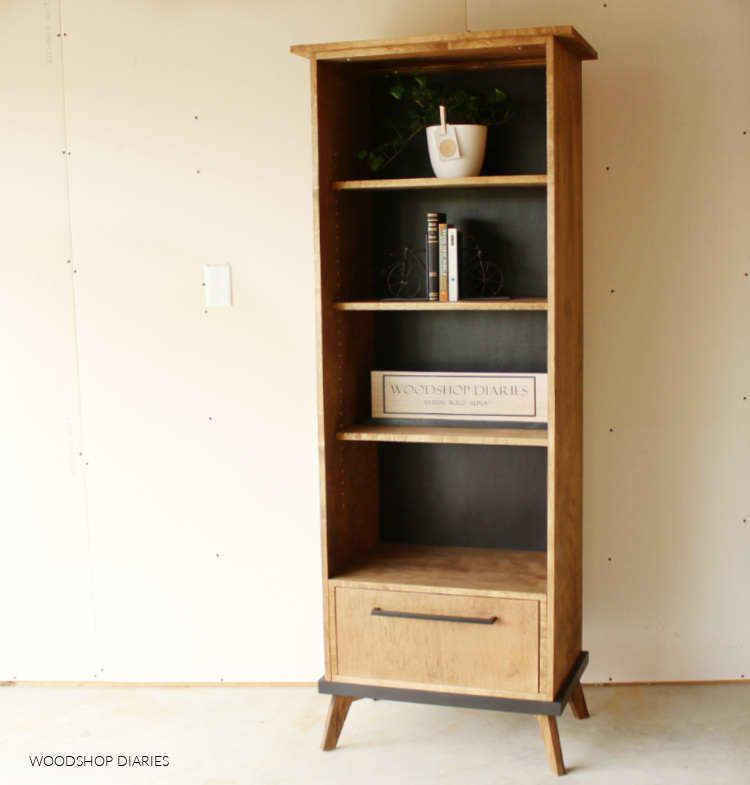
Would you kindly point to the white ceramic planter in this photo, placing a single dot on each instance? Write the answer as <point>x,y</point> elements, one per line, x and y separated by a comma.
<point>472,141</point>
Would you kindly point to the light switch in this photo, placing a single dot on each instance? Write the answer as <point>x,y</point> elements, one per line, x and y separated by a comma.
<point>218,285</point>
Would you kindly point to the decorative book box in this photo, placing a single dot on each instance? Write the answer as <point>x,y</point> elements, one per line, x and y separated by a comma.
<point>498,397</point>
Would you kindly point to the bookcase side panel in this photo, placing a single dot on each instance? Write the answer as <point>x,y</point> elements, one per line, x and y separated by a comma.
<point>327,608</point>
<point>565,363</point>
<point>345,341</point>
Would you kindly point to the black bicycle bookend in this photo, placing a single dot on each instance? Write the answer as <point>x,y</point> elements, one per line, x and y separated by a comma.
<point>406,277</point>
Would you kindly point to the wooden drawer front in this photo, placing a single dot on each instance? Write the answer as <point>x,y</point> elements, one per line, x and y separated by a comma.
<point>503,655</point>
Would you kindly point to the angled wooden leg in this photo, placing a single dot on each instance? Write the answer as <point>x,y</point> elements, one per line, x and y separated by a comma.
<point>337,711</point>
<point>578,704</point>
<point>551,743</point>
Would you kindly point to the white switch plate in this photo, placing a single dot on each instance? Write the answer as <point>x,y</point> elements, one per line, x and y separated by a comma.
<point>218,285</point>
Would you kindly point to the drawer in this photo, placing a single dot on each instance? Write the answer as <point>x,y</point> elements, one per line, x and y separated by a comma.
<point>434,642</point>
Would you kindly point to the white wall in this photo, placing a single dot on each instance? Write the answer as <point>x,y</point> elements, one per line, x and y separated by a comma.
<point>170,533</point>
<point>667,331</point>
<point>158,468</point>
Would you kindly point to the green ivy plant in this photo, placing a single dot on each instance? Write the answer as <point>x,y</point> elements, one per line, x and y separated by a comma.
<point>422,99</point>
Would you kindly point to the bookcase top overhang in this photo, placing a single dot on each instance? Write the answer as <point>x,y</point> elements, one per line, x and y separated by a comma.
<point>529,44</point>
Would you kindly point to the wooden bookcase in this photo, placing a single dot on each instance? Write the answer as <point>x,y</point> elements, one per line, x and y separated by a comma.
<point>426,526</point>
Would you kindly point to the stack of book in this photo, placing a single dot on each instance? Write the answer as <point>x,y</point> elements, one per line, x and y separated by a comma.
<point>443,259</point>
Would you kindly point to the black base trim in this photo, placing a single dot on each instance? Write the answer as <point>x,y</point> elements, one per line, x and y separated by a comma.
<point>548,708</point>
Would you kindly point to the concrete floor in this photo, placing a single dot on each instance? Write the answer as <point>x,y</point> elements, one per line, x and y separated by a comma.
<point>270,735</point>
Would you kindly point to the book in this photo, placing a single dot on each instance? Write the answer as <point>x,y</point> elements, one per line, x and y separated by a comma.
<point>454,263</point>
<point>443,262</point>
<point>433,255</point>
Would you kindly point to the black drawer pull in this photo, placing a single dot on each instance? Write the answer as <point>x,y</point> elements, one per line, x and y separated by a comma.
<point>432,617</point>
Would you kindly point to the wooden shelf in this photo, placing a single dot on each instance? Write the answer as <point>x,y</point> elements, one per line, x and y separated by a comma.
<point>501,181</point>
<point>449,570</point>
<point>516,304</point>
<point>513,45</point>
<point>436,434</point>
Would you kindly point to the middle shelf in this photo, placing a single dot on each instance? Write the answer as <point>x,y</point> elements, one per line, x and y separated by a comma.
<point>514,304</point>
<point>519,437</point>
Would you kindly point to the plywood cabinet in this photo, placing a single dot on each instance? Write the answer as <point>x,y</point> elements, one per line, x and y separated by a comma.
<point>452,551</point>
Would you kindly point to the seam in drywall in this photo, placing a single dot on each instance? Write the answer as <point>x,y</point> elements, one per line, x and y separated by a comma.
<point>62,35</point>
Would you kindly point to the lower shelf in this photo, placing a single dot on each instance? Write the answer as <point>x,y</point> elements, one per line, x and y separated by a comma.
<point>552,708</point>
<point>481,571</point>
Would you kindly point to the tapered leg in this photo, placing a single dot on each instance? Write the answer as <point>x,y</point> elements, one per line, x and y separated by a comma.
<point>337,712</point>
<point>552,743</point>
<point>578,704</point>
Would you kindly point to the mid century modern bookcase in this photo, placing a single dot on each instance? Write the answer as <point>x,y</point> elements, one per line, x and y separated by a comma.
<point>452,553</point>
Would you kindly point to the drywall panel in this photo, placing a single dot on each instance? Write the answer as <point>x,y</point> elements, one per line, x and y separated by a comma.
<point>45,579</point>
<point>667,309</point>
<point>189,132</point>
<point>189,145</point>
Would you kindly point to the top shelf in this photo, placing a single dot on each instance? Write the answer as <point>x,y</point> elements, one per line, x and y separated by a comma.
<point>499,44</point>
<point>500,181</point>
